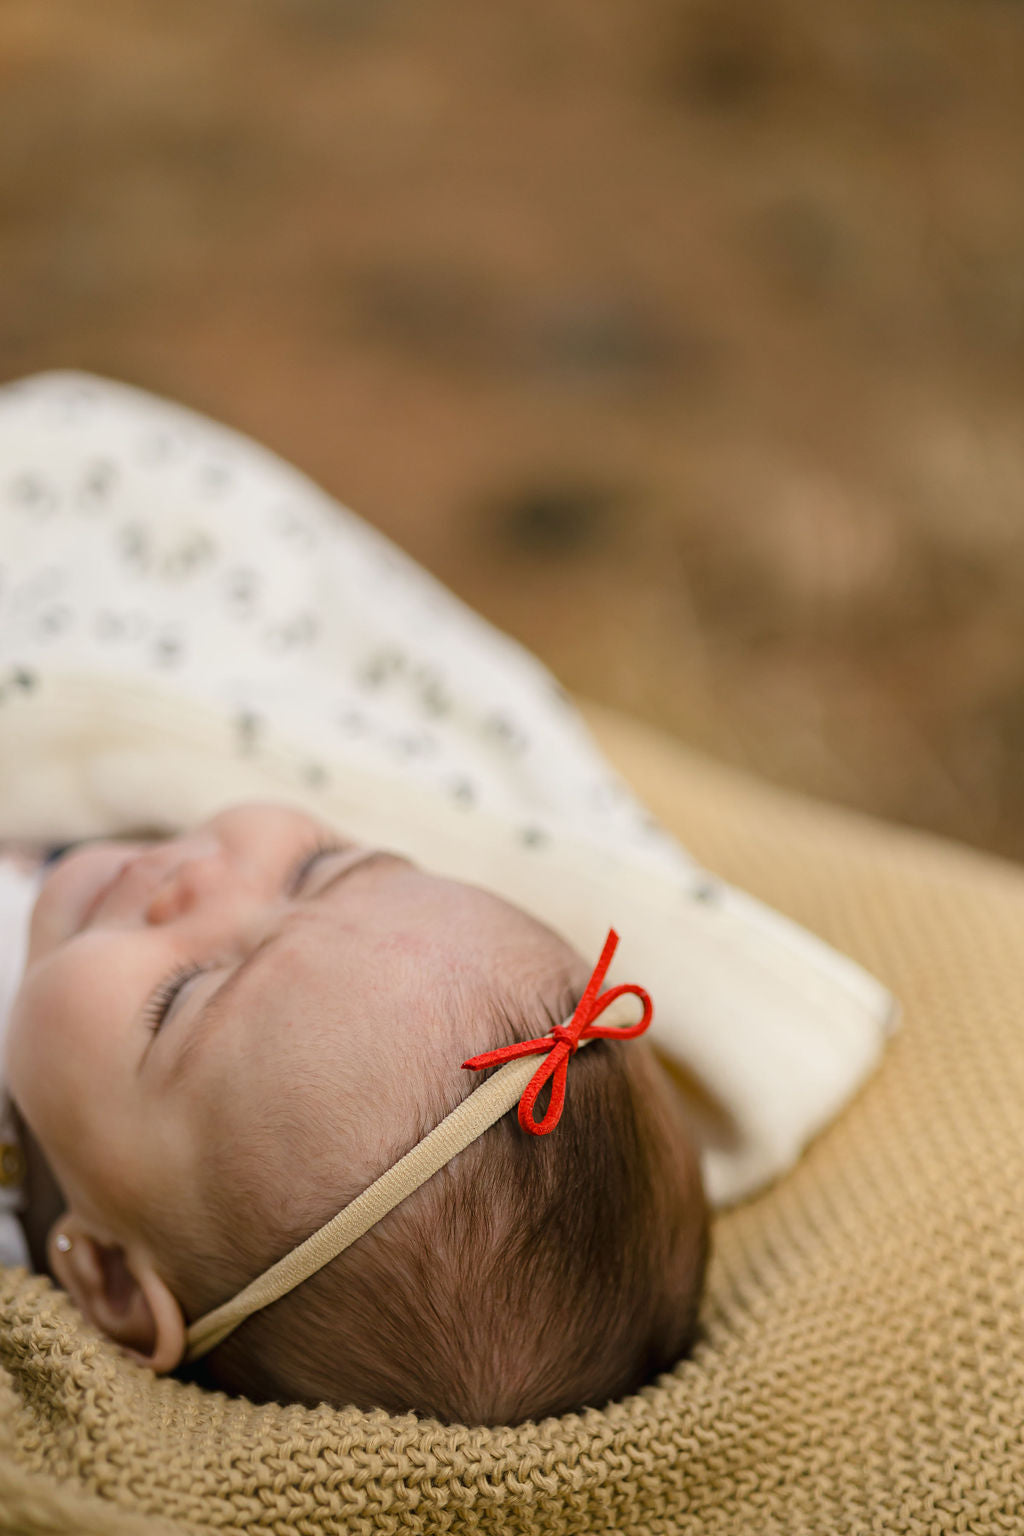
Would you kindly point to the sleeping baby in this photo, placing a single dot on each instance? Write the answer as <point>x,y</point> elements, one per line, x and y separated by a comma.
<point>220,1039</point>
<point>356,1118</point>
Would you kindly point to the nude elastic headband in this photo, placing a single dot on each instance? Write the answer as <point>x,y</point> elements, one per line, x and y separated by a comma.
<point>517,1077</point>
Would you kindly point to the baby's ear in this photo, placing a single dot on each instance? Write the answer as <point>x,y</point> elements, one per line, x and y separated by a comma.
<point>119,1291</point>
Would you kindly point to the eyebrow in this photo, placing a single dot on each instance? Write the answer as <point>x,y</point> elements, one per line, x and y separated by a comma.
<point>216,1005</point>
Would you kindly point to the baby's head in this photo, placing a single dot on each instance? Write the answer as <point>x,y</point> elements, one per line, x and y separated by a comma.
<point>222,1038</point>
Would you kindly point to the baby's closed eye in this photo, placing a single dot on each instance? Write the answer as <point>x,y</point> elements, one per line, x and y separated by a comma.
<point>162,1000</point>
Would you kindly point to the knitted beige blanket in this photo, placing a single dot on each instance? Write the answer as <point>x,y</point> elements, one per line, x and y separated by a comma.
<point>862,1366</point>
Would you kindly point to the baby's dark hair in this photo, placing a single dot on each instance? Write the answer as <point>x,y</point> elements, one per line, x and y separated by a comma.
<point>531,1276</point>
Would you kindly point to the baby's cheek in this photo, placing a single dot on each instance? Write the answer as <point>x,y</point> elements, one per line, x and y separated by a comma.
<point>63,1097</point>
<point>49,1064</point>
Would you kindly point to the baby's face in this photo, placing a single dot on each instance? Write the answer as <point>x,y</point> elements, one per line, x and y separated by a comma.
<point>256,983</point>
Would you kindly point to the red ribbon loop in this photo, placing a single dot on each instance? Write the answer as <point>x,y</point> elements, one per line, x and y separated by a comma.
<point>562,1041</point>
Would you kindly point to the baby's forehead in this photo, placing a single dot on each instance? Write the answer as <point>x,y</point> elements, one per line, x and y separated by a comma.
<point>402,961</point>
<point>350,1043</point>
<point>392,912</point>
<point>396,956</point>
<point>425,974</point>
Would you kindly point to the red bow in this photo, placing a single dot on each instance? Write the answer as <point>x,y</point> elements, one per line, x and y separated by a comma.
<point>561,1043</point>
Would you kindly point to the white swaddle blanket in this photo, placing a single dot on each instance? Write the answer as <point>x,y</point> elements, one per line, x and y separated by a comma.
<point>186,621</point>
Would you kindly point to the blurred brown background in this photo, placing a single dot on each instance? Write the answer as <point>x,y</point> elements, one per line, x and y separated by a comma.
<point>686,341</point>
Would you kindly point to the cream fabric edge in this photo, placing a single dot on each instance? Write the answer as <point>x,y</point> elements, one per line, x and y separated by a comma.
<point>741,993</point>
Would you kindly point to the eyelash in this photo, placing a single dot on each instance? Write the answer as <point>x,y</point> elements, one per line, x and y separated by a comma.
<point>319,850</point>
<point>159,1005</point>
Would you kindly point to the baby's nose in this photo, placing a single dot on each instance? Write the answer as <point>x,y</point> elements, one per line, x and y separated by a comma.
<point>196,876</point>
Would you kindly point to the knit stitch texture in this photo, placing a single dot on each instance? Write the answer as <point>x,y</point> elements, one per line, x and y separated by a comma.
<point>861,1367</point>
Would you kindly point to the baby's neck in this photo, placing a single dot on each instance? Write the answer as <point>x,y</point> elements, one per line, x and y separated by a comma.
<point>43,1199</point>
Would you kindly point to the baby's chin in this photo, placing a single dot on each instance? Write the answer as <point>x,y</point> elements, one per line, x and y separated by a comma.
<point>72,890</point>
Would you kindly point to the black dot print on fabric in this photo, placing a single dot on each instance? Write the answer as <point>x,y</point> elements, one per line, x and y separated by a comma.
<point>131,625</point>
<point>315,776</point>
<point>33,495</point>
<point>213,479</point>
<point>109,626</point>
<point>19,680</point>
<point>191,554</point>
<point>433,696</point>
<point>353,722</point>
<point>381,667</point>
<point>292,526</point>
<point>504,731</point>
<point>534,837</point>
<point>650,826</point>
<point>133,545</point>
<point>168,649</point>
<point>54,621</point>
<point>241,589</point>
<point>302,630</point>
<point>562,696</point>
<point>248,730</point>
<point>160,448</point>
<point>97,485</point>
<point>463,792</point>
<point>409,744</point>
<point>75,403</point>
<point>707,892</point>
